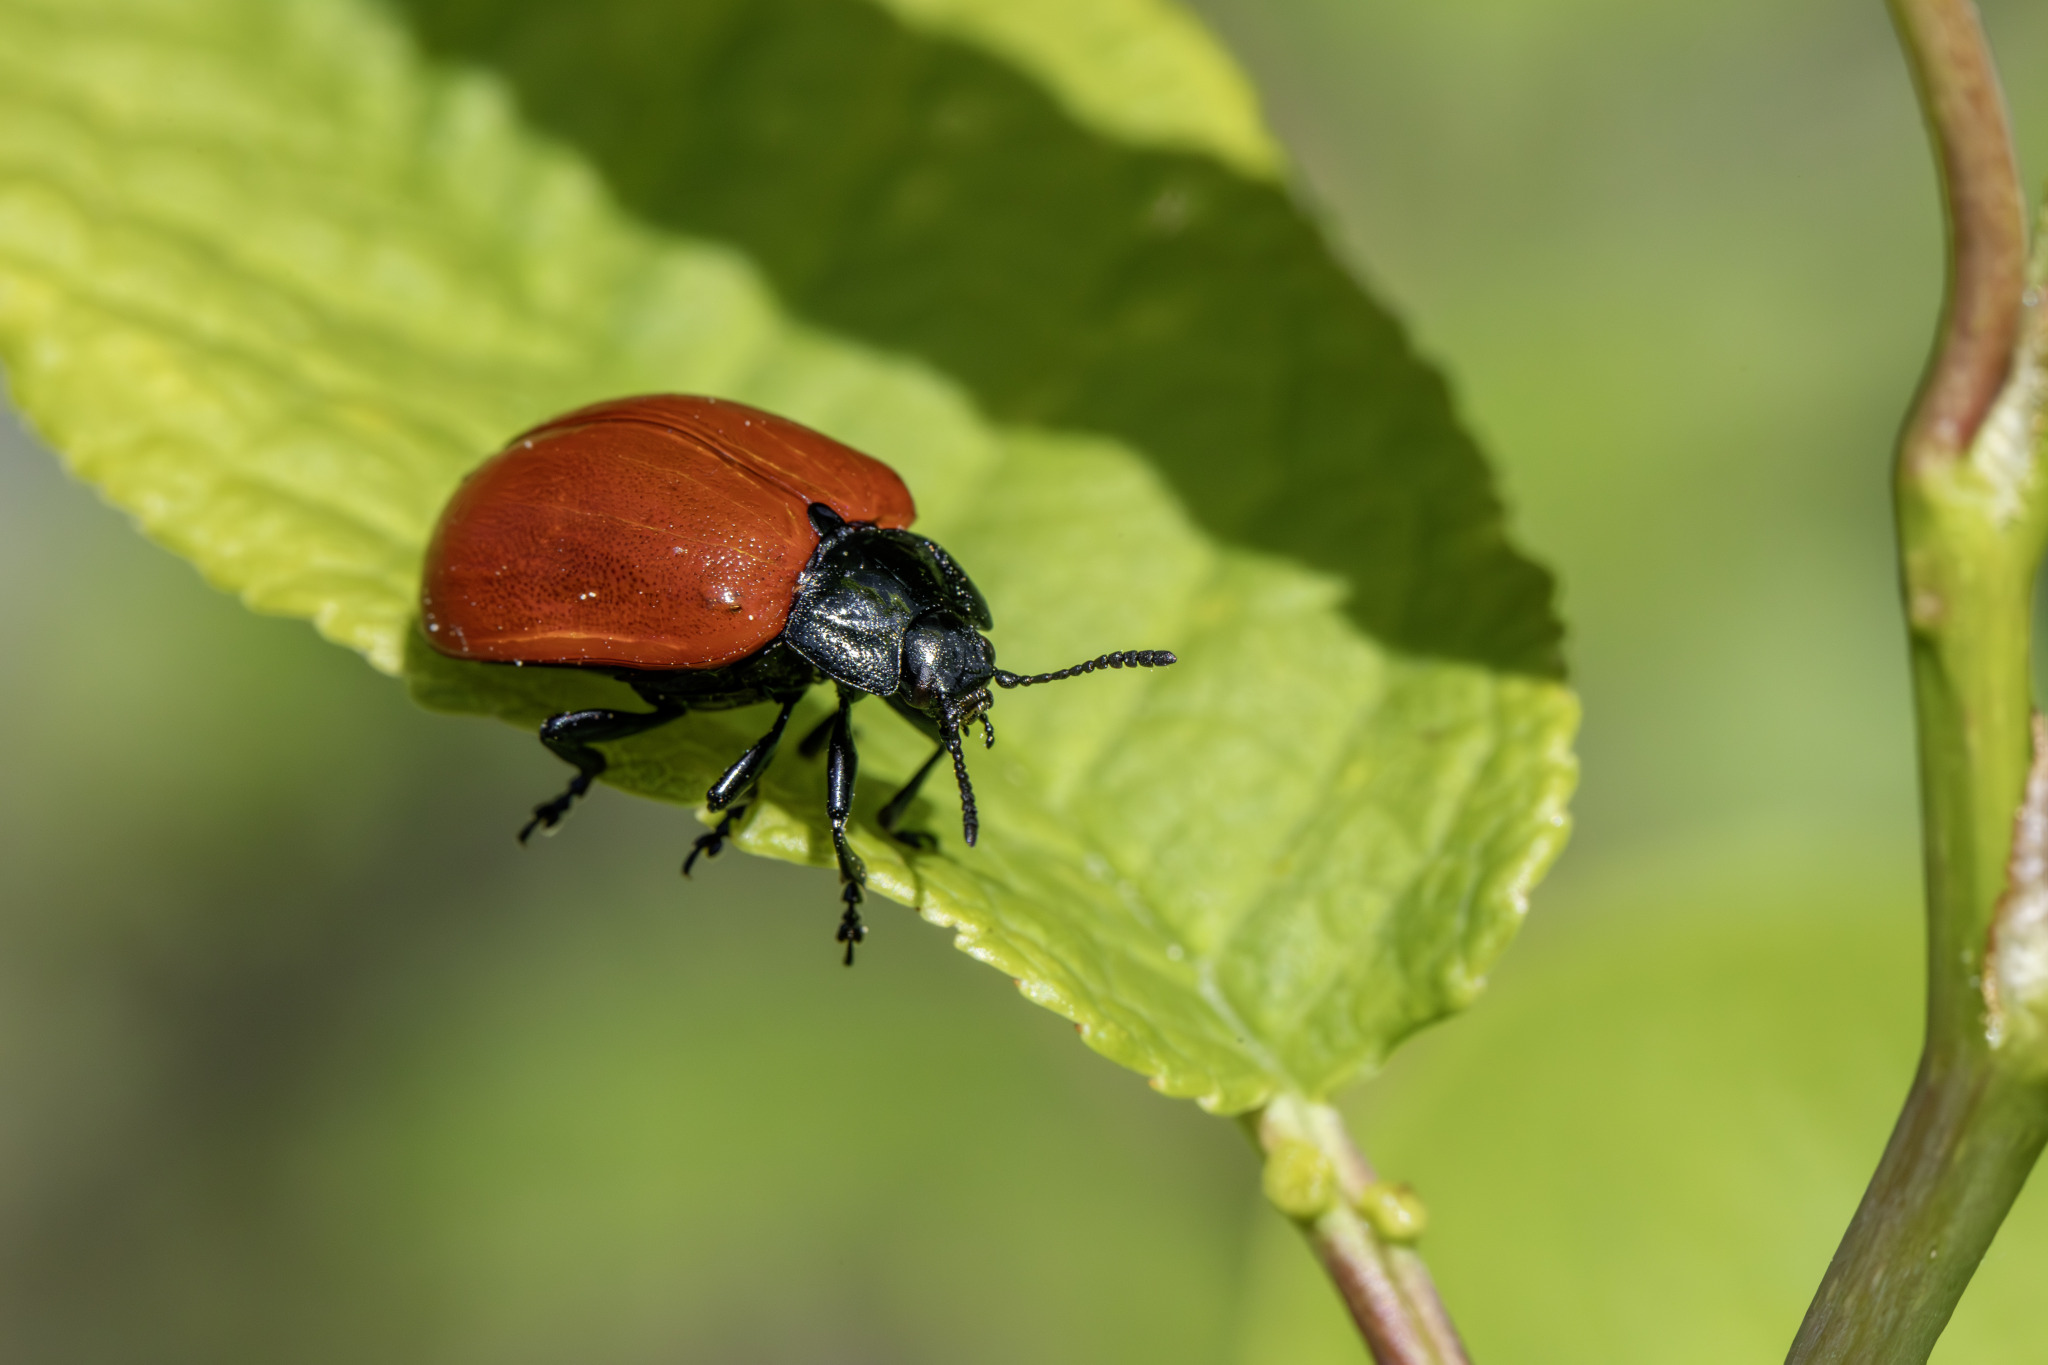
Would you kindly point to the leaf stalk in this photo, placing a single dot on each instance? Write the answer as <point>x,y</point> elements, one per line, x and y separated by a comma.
<point>1318,1177</point>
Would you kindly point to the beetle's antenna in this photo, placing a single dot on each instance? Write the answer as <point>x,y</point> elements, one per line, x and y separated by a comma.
<point>970,821</point>
<point>1130,658</point>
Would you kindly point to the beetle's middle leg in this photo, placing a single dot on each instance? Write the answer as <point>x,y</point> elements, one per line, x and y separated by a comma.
<point>900,802</point>
<point>841,762</point>
<point>569,735</point>
<point>738,781</point>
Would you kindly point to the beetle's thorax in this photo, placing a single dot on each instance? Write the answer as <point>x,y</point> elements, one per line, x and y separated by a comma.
<point>888,612</point>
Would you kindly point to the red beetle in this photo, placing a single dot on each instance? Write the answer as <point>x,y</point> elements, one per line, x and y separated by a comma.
<point>711,555</point>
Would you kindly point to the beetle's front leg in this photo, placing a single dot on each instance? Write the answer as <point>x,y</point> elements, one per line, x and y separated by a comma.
<point>899,805</point>
<point>841,762</point>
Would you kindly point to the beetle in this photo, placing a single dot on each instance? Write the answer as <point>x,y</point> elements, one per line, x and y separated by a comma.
<point>711,555</point>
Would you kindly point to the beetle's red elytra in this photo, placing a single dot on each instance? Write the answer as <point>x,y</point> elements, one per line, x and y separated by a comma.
<point>656,532</point>
<point>711,555</point>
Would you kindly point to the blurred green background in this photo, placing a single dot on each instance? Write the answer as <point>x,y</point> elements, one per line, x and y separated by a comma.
<point>301,1059</point>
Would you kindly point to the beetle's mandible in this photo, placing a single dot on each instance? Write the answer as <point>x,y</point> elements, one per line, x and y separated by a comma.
<point>711,555</point>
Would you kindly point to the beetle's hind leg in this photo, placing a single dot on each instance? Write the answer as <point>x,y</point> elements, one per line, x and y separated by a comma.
<point>841,763</point>
<point>738,781</point>
<point>918,839</point>
<point>569,735</point>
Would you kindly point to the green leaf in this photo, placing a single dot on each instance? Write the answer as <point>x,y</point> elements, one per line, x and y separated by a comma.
<point>921,195</point>
<point>1143,72</point>
<point>273,282</point>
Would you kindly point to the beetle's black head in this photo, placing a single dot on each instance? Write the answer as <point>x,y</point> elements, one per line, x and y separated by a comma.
<point>947,667</point>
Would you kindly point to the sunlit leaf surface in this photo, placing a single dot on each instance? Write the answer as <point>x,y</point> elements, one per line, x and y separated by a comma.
<point>273,281</point>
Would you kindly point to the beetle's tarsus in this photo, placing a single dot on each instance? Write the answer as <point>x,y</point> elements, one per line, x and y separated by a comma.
<point>547,816</point>
<point>711,844</point>
<point>851,930</point>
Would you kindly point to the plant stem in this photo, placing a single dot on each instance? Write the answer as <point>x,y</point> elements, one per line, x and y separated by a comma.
<point>1985,216</point>
<point>1971,522</point>
<point>1384,1282</point>
<point>1962,1150</point>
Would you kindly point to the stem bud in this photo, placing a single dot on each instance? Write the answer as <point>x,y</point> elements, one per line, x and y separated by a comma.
<point>1299,1180</point>
<point>1394,1211</point>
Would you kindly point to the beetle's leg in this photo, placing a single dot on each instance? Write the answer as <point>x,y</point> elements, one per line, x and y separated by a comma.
<point>840,765</point>
<point>709,845</point>
<point>569,735</point>
<point>738,780</point>
<point>748,767</point>
<point>900,802</point>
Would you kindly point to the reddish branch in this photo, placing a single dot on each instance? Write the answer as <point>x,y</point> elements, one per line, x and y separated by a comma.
<point>1965,110</point>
